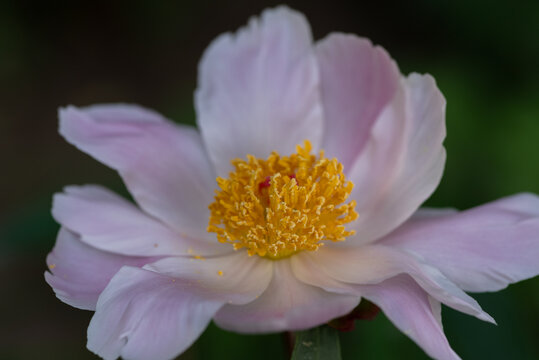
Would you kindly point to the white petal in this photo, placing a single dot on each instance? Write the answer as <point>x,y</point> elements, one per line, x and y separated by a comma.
<point>237,277</point>
<point>259,90</point>
<point>79,273</point>
<point>144,315</point>
<point>413,312</point>
<point>108,222</point>
<point>402,161</point>
<point>373,264</point>
<point>358,81</point>
<point>287,305</point>
<point>481,249</point>
<point>163,165</point>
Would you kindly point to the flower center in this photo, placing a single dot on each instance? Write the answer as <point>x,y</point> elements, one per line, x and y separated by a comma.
<point>284,204</point>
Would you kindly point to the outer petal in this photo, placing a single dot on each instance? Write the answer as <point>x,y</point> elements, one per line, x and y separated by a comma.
<point>373,264</point>
<point>402,162</point>
<point>413,312</point>
<point>108,222</point>
<point>145,315</point>
<point>358,81</point>
<point>79,273</point>
<point>238,278</point>
<point>259,89</point>
<point>287,304</point>
<point>481,249</point>
<point>163,165</point>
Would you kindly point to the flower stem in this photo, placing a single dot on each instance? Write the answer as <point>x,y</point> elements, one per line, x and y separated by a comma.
<point>319,343</point>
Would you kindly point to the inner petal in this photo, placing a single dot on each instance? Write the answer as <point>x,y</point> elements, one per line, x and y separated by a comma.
<point>276,207</point>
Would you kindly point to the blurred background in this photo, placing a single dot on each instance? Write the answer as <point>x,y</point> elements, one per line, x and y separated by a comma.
<point>484,55</point>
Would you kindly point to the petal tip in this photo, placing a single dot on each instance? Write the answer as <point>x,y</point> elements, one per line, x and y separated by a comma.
<point>486,317</point>
<point>284,12</point>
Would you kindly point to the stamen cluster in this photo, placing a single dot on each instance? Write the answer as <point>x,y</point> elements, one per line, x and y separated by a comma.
<point>284,204</point>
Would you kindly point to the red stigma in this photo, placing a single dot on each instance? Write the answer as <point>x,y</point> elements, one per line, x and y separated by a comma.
<point>266,183</point>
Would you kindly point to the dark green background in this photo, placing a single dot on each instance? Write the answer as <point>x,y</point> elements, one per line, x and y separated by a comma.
<point>484,55</point>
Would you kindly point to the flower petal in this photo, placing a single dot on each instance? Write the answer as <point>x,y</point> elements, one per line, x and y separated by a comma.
<point>145,315</point>
<point>259,89</point>
<point>236,277</point>
<point>163,165</point>
<point>402,162</point>
<point>413,312</point>
<point>358,81</point>
<point>481,249</point>
<point>108,222</point>
<point>373,264</point>
<point>307,270</point>
<point>287,305</point>
<point>79,273</point>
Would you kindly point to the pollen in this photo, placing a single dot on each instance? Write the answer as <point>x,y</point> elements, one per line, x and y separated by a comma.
<point>277,207</point>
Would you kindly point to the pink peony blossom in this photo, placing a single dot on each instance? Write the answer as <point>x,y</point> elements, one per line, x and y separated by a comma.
<point>246,251</point>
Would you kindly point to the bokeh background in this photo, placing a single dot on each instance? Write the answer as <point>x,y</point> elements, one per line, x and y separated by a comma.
<point>484,55</point>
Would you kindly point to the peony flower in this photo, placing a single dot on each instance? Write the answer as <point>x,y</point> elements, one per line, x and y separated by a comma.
<point>323,154</point>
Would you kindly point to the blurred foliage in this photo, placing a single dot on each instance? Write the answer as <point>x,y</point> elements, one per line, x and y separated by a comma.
<point>484,55</point>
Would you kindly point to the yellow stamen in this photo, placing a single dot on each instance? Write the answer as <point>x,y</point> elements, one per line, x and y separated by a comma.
<point>279,206</point>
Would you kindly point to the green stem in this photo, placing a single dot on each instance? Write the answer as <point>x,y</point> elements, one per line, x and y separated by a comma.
<point>320,343</point>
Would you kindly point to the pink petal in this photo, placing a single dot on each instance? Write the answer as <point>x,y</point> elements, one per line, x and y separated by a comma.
<point>402,162</point>
<point>373,264</point>
<point>108,222</point>
<point>287,305</point>
<point>481,249</point>
<point>163,165</point>
<point>145,315</point>
<point>413,312</point>
<point>236,277</point>
<point>258,89</point>
<point>358,81</point>
<point>79,273</point>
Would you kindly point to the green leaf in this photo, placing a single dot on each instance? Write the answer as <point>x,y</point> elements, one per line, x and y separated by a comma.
<point>320,343</point>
